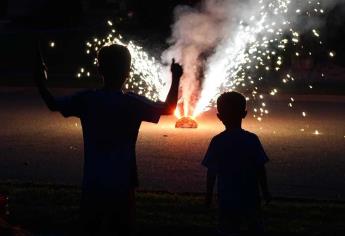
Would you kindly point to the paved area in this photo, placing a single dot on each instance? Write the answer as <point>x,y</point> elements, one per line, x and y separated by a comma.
<point>40,146</point>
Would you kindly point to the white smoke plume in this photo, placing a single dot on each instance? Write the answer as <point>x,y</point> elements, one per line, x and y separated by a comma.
<point>196,31</point>
<point>217,41</point>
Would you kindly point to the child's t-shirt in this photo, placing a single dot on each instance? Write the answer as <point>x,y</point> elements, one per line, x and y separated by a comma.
<point>110,122</point>
<point>235,157</point>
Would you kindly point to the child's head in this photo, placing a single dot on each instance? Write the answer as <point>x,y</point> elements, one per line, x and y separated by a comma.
<point>114,63</point>
<point>231,108</point>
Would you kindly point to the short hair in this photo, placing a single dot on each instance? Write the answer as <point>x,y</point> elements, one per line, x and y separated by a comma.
<point>114,59</point>
<point>231,103</point>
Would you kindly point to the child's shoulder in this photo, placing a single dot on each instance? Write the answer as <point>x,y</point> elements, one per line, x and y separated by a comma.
<point>249,134</point>
<point>241,133</point>
<point>79,95</point>
<point>85,92</point>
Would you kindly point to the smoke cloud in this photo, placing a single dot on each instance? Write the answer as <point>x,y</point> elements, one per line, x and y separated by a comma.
<point>196,32</point>
<point>211,41</point>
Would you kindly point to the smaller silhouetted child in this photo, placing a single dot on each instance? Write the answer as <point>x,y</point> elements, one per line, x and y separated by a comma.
<point>237,160</point>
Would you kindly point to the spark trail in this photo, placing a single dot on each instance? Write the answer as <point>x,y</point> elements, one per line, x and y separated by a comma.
<point>250,43</point>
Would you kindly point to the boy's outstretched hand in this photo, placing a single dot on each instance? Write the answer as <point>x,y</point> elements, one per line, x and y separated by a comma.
<point>40,73</point>
<point>172,98</point>
<point>176,70</point>
<point>40,76</point>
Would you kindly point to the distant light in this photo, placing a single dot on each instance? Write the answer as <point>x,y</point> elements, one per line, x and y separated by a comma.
<point>52,44</point>
<point>304,114</point>
<point>316,132</point>
<point>110,23</point>
<point>332,54</point>
<point>316,33</point>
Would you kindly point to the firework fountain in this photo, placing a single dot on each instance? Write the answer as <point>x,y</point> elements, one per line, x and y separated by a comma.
<point>224,46</point>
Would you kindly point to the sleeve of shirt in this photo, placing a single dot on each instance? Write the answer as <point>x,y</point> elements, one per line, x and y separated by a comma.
<point>148,110</point>
<point>210,159</point>
<point>71,105</point>
<point>260,154</point>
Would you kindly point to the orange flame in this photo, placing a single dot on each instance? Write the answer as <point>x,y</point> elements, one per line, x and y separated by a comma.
<point>177,113</point>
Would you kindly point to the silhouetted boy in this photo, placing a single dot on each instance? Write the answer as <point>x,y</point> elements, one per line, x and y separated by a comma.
<point>237,160</point>
<point>110,120</point>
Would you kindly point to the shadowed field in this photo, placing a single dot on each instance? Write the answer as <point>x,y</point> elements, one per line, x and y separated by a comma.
<point>39,146</point>
<point>54,210</point>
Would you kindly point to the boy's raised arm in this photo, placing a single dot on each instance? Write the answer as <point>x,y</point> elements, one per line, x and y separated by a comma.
<point>40,78</point>
<point>171,101</point>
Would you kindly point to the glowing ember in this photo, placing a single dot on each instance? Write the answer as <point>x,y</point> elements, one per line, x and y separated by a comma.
<point>186,122</point>
<point>316,132</point>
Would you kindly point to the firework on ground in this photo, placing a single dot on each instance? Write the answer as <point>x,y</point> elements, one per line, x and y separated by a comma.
<point>237,45</point>
<point>225,46</point>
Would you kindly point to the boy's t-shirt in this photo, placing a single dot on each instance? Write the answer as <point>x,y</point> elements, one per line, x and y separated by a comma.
<point>235,157</point>
<point>110,122</point>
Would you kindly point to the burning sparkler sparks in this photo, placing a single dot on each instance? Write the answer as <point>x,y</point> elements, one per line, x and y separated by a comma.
<point>148,76</point>
<point>237,60</point>
<point>255,44</point>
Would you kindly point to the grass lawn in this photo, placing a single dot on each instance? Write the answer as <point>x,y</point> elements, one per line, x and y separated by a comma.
<point>53,210</point>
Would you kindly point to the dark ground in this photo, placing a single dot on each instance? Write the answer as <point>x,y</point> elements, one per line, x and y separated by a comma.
<point>53,210</point>
<point>42,147</point>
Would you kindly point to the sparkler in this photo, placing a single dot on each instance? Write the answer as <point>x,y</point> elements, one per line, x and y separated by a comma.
<point>241,60</point>
<point>148,76</point>
<point>255,44</point>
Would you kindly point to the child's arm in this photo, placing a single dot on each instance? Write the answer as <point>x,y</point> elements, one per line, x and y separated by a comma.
<point>171,101</point>
<point>210,182</point>
<point>263,185</point>
<point>151,111</point>
<point>40,78</point>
